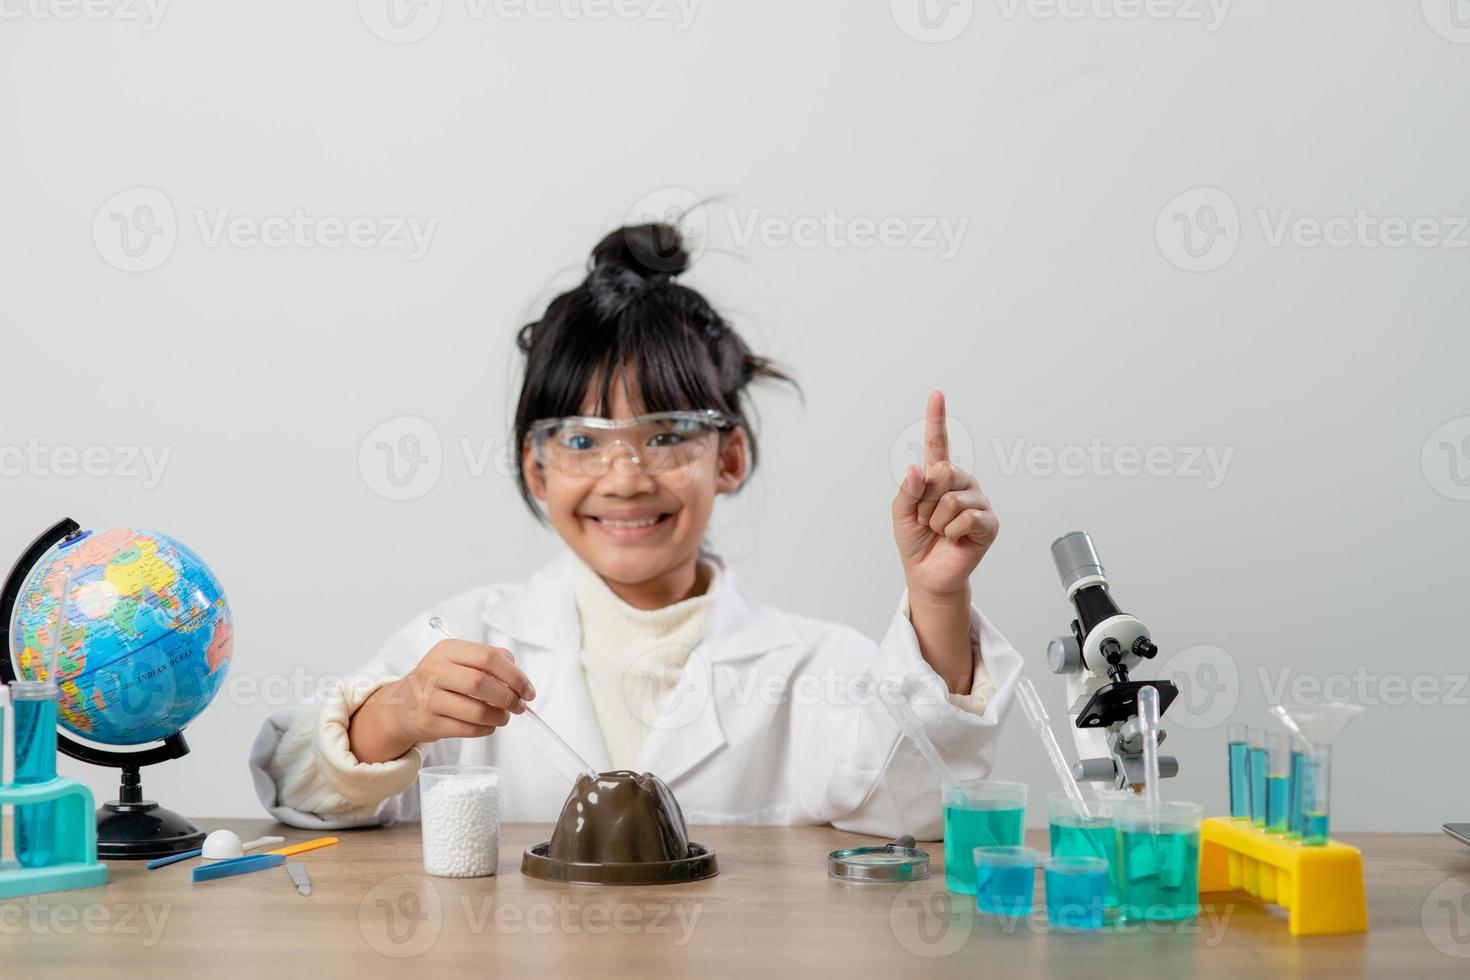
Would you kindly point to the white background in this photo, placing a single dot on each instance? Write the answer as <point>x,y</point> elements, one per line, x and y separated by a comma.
<point>1333,548</point>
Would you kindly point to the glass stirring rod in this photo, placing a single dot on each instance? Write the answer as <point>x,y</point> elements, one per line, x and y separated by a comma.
<point>435,623</point>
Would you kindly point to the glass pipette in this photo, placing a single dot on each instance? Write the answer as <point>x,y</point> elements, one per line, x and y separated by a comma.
<point>1036,714</point>
<point>54,663</point>
<point>898,703</point>
<point>1148,721</point>
<point>436,623</point>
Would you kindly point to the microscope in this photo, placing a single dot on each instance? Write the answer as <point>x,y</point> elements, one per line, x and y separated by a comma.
<point>1104,645</point>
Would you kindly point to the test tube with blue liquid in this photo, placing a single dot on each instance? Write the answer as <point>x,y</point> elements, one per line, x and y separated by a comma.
<point>1238,750</point>
<point>1258,766</point>
<point>34,705</point>
<point>1301,788</point>
<point>1278,783</point>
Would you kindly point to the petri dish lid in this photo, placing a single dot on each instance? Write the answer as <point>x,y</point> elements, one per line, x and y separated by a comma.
<point>898,861</point>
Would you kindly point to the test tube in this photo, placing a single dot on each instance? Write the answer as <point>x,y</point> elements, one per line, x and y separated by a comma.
<point>1300,788</point>
<point>1278,783</point>
<point>34,704</point>
<point>1240,788</point>
<point>4,703</point>
<point>1258,777</point>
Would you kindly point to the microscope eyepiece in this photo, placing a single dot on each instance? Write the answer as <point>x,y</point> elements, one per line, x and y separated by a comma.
<point>1144,647</point>
<point>1075,558</point>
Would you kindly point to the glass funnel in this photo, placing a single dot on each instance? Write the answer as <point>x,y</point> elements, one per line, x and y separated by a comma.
<point>1317,726</point>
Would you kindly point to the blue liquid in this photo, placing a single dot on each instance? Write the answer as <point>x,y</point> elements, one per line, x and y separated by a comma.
<point>1278,803</point>
<point>1258,787</point>
<point>1314,829</point>
<point>1160,875</point>
<point>1076,900</point>
<point>1301,793</point>
<point>1004,890</point>
<point>1240,787</point>
<point>35,762</point>
<point>984,825</point>
<point>1095,837</point>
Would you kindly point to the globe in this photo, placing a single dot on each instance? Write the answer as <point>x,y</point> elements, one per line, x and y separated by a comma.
<point>146,634</point>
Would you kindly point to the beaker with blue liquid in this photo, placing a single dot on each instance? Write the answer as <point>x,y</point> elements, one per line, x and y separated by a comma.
<point>1076,891</point>
<point>1005,879</point>
<point>1158,846</point>
<point>1085,829</point>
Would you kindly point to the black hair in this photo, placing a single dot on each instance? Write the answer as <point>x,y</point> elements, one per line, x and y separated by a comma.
<point>630,313</point>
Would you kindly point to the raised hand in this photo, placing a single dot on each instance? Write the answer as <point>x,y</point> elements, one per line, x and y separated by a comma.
<point>942,522</point>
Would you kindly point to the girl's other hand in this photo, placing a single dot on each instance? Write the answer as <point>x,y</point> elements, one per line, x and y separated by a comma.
<point>458,690</point>
<point>942,522</point>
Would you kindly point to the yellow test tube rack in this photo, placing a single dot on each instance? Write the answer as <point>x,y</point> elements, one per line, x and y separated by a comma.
<point>1319,885</point>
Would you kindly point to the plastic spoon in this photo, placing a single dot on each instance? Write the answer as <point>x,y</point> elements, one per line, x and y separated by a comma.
<point>898,705</point>
<point>223,849</point>
<point>1036,714</point>
<point>436,623</point>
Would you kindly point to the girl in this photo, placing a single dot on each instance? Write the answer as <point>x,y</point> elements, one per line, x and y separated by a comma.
<point>639,646</point>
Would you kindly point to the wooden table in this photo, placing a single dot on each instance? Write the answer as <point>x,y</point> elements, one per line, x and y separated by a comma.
<point>772,911</point>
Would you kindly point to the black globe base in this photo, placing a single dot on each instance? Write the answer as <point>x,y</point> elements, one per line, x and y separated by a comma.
<point>134,829</point>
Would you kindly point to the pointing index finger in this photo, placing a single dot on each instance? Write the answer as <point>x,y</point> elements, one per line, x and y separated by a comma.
<point>936,433</point>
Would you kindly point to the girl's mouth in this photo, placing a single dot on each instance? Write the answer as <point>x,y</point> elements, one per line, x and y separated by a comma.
<point>631,530</point>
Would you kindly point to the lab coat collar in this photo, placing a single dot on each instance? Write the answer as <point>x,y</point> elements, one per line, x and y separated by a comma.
<point>543,613</point>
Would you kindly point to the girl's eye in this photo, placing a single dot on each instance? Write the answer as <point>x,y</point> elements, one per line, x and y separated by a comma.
<point>577,442</point>
<point>664,439</point>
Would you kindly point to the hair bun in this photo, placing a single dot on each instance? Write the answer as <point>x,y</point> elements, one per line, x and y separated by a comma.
<point>652,251</point>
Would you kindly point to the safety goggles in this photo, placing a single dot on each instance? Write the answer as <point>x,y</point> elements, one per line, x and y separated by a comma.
<point>661,442</point>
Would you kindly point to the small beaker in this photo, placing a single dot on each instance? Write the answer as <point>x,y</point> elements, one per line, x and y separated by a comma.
<point>1005,879</point>
<point>1076,891</point>
<point>460,809</point>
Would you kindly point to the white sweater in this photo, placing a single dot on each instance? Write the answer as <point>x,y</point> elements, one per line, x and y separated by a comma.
<point>631,658</point>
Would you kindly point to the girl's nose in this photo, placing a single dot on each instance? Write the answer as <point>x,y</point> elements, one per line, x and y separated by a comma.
<point>625,468</point>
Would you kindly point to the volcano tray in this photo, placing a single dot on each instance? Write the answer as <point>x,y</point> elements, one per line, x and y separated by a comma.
<point>622,828</point>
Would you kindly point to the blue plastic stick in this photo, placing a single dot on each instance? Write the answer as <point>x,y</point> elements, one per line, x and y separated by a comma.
<point>238,866</point>
<point>164,862</point>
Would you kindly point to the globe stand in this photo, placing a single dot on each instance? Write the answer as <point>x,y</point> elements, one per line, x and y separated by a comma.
<point>132,828</point>
<point>129,827</point>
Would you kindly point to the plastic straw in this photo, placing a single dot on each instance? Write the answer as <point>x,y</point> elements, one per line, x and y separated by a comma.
<point>54,662</point>
<point>908,721</point>
<point>438,624</point>
<point>1036,714</point>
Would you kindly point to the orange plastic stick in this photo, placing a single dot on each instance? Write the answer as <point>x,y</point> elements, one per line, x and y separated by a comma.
<point>310,845</point>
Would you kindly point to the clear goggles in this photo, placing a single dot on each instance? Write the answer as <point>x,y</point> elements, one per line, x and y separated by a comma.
<point>661,442</point>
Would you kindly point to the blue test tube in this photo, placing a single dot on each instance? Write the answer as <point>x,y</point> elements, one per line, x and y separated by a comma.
<point>1258,768</point>
<point>1240,788</point>
<point>1301,790</point>
<point>34,704</point>
<point>4,703</point>
<point>1278,784</point>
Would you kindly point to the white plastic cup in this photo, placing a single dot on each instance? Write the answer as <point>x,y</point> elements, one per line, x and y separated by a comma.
<point>460,808</point>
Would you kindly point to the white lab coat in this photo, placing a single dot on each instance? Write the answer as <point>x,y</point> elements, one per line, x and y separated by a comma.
<point>777,720</point>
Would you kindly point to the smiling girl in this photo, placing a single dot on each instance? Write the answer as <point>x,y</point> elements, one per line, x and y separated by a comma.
<point>639,646</point>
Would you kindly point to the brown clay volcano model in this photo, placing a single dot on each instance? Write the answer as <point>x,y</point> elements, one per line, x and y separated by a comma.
<point>623,828</point>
